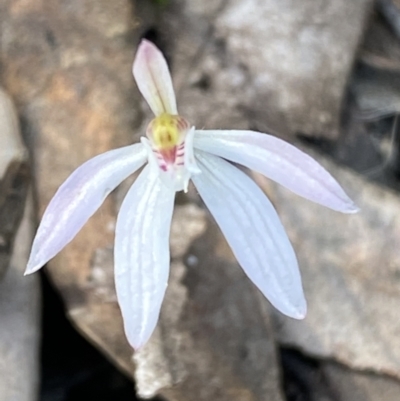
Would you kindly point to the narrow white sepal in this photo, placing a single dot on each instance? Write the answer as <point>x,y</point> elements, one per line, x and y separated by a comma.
<point>153,79</point>
<point>189,159</point>
<point>78,198</point>
<point>253,230</point>
<point>279,161</point>
<point>142,254</point>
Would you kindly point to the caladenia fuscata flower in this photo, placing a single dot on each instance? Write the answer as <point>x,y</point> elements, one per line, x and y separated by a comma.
<point>173,153</point>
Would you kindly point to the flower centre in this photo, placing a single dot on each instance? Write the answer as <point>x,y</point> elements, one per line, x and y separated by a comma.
<point>170,144</point>
<point>167,134</point>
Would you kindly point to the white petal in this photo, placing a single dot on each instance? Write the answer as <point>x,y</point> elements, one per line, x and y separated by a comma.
<point>279,161</point>
<point>153,79</point>
<point>254,232</point>
<point>79,197</point>
<point>142,254</point>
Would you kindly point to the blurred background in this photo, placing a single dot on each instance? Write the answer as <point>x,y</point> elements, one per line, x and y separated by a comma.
<point>324,75</point>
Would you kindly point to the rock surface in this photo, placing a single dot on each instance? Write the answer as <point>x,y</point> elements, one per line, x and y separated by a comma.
<point>348,385</point>
<point>268,64</point>
<point>321,380</point>
<point>19,296</point>
<point>20,322</point>
<point>14,179</point>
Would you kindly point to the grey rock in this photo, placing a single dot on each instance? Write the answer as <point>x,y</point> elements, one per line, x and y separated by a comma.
<point>19,296</point>
<point>391,11</point>
<point>14,178</point>
<point>348,385</point>
<point>324,380</point>
<point>11,147</point>
<point>375,83</point>
<point>269,64</point>
<point>20,322</point>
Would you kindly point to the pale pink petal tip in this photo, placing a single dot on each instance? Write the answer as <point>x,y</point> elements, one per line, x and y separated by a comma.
<point>153,79</point>
<point>147,46</point>
<point>137,347</point>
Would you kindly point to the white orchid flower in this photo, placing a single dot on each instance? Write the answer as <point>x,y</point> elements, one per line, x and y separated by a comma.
<point>174,153</point>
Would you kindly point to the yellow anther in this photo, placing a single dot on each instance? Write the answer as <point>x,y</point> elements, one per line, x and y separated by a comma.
<point>167,131</point>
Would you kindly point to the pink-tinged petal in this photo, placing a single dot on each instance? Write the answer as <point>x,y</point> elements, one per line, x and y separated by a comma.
<point>79,197</point>
<point>254,232</point>
<point>142,254</point>
<point>153,79</point>
<point>279,161</point>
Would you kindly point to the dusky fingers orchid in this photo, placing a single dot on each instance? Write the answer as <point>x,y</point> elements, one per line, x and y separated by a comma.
<point>177,153</point>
